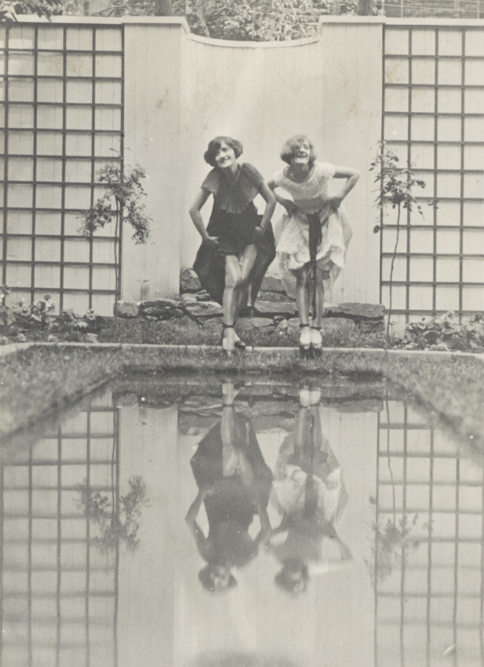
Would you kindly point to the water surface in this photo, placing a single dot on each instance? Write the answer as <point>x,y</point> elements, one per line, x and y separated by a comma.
<point>295,526</point>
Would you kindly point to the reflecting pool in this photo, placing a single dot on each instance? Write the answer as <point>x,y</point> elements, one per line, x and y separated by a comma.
<point>257,523</point>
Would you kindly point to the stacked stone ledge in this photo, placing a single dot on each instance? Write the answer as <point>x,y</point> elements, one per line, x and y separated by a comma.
<point>273,311</point>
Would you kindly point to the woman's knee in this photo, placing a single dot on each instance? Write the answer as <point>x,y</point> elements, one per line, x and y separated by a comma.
<point>321,276</point>
<point>302,278</point>
<point>232,272</point>
<point>232,279</point>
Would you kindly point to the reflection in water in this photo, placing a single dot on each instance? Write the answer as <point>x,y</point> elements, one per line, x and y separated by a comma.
<point>261,472</point>
<point>393,545</point>
<point>117,519</point>
<point>241,660</point>
<point>234,484</point>
<point>310,494</point>
<point>394,538</point>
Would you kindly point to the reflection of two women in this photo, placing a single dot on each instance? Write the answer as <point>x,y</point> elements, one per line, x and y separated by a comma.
<point>234,486</point>
<point>309,493</point>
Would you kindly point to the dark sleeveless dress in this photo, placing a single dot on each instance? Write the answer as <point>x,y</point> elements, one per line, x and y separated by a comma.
<point>231,507</point>
<point>233,220</point>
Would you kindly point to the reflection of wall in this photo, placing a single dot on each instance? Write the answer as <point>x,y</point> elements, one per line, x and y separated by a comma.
<point>58,592</point>
<point>148,441</point>
<point>333,623</point>
<point>434,603</point>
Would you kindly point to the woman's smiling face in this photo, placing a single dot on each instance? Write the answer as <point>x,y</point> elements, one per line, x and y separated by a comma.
<point>225,157</point>
<point>301,154</point>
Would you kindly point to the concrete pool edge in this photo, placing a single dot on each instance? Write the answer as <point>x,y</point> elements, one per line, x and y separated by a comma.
<point>438,381</point>
<point>173,357</point>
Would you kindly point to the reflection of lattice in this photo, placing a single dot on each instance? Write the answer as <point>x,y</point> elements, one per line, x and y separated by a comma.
<point>59,592</point>
<point>61,103</point>
<point>434,118</point>
<point>432,598</point>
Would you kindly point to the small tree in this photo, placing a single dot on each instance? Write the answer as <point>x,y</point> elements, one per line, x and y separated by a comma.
<point>122,201</point>
<point>395,188</point>
<point>9,10</point>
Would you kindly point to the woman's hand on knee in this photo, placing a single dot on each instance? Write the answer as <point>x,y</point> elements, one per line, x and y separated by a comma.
<point>211,240</point>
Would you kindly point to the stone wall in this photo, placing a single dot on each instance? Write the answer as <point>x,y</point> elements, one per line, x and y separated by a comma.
<point>273,310</point>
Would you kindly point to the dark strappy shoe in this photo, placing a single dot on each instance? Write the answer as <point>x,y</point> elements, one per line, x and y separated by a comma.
<point>316,341</point>
<point>238,343</point>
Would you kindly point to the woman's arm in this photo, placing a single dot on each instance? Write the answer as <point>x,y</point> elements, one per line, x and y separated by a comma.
<point>192,513</point>
<point>195,215</point>
<point>289,205</point>
<point>270,200</point>
<point>352,176</point>
<point>265,527</point>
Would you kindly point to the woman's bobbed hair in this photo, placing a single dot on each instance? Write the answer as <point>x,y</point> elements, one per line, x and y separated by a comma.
<point>292,144</point>
<point>214,146</point>
<point>207,583</point>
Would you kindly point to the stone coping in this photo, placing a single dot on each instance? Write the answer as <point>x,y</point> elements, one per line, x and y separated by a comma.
<point>215,352</point>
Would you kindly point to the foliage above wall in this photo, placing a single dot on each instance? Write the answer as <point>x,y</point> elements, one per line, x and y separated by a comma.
<point>9,10</point>
<point>252,20</point>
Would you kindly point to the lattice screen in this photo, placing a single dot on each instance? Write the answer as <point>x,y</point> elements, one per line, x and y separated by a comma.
<point>434,119</point>
<point>62,110</point>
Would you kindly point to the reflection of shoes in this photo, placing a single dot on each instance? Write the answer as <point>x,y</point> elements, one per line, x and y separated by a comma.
<point>304,397</point>
<point>229,392</point>
<point>305,341</point>
<point>228,338</point>
<point>314,397</point>
<point>316,341</point>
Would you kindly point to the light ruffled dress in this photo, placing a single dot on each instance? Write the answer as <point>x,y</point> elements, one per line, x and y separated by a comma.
<point>292,231</point>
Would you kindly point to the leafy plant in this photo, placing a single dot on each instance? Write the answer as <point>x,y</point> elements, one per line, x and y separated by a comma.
<point>39,315</point>
<point>40,319</point>
<point>246,20</point>
<point>9,10</point>
<point>445,333</point>
<point>393,544</point>
<point>396,184</point>
<point>121,202</point>
<point>118,522</point>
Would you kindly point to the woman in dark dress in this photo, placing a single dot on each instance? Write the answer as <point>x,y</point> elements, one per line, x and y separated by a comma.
<point>238,244</point>
<point>234,484</point>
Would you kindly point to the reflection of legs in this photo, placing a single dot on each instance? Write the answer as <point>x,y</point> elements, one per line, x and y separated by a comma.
<point>245,470</point>
<point>228,430</point>
<point>311,498</point>
<point>302,302</point>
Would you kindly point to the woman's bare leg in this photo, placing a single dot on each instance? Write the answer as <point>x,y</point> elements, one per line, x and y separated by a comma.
<point>302,302</point>
<point>230,298</point>
<point>246,263</point>
<point>318,315</point>
<point>316,339</point>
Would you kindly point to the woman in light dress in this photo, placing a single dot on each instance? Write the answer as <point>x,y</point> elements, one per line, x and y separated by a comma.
<point>309,492</point>
<point>313,235</point>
